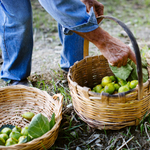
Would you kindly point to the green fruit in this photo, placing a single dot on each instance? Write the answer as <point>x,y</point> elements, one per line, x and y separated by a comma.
<point>6,130</point>
<point>122,82</point>
<point>102,90</point>
<point>123,89</point>
<point>2,141</point>
<point>128,84</point>
<point>24,131</point>
<point>117,86</point>
<point>16,128</point>
<point>105,80</point>
<point>28,115</point>
<point>15,135</point>
<point>133,84</point>
<point>118,79</point>
<point>21,138</point>
<point>109,88</point>
<point>4,136</point>
<point>29,138</point>
<point>113,79</point>
<point>98,88</point>
<point>10,141</point>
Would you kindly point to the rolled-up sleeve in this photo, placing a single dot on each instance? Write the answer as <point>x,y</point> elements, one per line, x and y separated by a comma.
<point>71,14</point>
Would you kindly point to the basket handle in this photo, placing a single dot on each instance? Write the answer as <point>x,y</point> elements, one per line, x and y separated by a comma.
<point>59,102</point>
<point>60,96</point>
<point>135,47</point>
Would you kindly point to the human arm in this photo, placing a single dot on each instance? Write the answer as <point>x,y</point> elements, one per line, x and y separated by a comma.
<point>80,18</point>
<point>114,50</point>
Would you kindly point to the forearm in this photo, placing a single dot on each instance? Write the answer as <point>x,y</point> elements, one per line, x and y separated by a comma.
<point>114,50</point>
<point>97,36</point>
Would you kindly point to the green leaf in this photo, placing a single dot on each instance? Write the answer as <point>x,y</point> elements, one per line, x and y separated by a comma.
<point>145,74</point>
<point>38,126</point>
<point>134,76</point>
<point>52,122</point>
<point>123,72</point>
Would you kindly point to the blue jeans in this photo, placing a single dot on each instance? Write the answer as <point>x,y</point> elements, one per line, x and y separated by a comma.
<point>16,41</point>
<point>72,49</point>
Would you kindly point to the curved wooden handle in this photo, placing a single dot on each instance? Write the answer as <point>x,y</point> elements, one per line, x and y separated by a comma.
<point>85,48</point>
<point>136,50</point>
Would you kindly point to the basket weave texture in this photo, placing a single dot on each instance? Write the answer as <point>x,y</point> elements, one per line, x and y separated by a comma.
<point>15,100</point>
<point>104,111</point>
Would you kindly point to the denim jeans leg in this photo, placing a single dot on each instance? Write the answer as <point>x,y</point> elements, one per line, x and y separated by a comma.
<point>16,38</point>
<point>72,50</point>
<point>61,10</point>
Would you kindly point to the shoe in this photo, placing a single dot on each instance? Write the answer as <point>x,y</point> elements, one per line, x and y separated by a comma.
<point>22,82</point>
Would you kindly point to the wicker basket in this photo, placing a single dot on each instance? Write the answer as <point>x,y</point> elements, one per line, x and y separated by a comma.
<point>101,110</point>
<point>15,100</point>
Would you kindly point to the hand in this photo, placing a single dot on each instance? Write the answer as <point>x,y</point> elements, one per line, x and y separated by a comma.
<point>114,50</point>
<point>97,6</point>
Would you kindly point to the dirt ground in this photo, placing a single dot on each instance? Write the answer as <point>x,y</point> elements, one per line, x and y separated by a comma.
<point>46,57</point>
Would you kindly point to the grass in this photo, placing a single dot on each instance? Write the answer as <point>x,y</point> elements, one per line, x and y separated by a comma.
<point>73,131</point>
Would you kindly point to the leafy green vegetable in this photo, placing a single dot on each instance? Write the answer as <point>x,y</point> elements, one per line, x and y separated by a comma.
<point>38,126</point>
<point>52,122</point>
<point>123,72</point>
<point>133,75</point>
<point>129,72</point>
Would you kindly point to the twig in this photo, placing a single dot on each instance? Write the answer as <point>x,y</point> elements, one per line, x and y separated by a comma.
<point>138,143</point>
<point>74,117</point>
<point>64,87</point>
<point>125,143</point>
<point>113,143</point>
<point>92,140</point>
<point>146,130</point>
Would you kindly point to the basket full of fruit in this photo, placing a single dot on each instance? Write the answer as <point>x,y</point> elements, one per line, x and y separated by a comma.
<point>29,118</point>
<point>107,97</point>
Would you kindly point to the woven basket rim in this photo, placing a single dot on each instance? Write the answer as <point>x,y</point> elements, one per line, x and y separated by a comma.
<point>58,115</point>
<point>105,111</point>
<point>103,93</point>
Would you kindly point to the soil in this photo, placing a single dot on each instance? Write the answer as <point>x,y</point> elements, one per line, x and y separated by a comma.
<point>45,62</point>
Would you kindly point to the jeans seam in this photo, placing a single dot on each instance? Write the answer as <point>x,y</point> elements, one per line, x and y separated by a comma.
<point>4,29</point>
